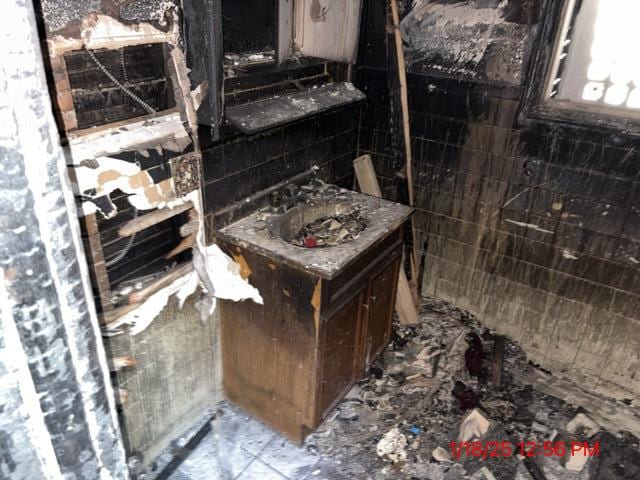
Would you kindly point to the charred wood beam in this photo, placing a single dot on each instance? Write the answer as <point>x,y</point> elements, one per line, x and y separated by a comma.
<point>140,223</point>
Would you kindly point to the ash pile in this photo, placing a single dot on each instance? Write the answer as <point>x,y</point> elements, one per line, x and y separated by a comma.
<point>446,383</point>
<point>331,231</point>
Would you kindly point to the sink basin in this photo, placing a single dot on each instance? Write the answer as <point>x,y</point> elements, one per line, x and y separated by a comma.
<point>289,225</point>
<point>270,233</point>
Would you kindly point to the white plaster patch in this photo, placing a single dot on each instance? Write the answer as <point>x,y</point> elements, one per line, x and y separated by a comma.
<point>392,446</point>
<point>103,31</point>
<point>569,255</point>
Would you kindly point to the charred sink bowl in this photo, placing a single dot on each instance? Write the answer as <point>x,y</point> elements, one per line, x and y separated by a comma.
<point>270,234</point>
<point>292,224</point>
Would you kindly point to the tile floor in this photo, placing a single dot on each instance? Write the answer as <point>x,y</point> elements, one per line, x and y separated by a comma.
<point>240,447</point>
<point>403,396</point>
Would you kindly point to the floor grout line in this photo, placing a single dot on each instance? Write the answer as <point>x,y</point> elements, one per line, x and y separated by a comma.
<point>253,459</point>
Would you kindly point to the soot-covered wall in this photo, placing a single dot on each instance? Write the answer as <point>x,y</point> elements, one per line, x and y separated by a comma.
<point>241,165</point>
<point>532,225</point>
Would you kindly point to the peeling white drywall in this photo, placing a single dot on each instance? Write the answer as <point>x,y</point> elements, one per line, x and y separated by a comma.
<point>227,283</point>
<point>103,31</point>
<point>140,318</point>
<point>112,174</point>
<point>166,131</point>
<point>94,171</point>
<point>214,271</point>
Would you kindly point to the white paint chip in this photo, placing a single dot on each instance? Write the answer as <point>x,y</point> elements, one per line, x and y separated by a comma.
<point>529,225</point>
<point>474,426</point>
<point>392,446</point>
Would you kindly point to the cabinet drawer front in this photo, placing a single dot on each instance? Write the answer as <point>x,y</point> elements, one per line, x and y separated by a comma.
<point>339,290</point>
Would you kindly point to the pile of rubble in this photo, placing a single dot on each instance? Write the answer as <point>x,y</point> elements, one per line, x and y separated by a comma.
<point>445,401</point>
<point>331,231</point>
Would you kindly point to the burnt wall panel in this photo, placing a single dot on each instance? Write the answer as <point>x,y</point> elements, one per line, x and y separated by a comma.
<point>532,225</point>
<point>174,378</point>
<point>67,16</point>
<point>242,165</point>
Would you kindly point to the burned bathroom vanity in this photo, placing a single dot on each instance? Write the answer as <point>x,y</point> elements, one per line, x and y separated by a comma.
<point>327,311</point>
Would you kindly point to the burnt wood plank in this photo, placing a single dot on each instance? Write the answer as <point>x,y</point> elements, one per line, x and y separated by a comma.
<point>97,263</point>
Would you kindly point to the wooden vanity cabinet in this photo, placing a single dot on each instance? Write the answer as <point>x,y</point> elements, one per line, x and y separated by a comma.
<point>291,360</point>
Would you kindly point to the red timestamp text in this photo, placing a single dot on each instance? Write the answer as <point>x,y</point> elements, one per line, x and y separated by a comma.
<point>498,449</point>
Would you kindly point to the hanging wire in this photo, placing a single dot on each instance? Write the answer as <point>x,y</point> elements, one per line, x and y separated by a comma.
<point>130,241</point>
<point>127,246</point>
<point>120,85</point>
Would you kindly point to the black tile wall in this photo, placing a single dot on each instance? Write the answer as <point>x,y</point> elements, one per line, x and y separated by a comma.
<point>242,165</point>
<point>518,216</point>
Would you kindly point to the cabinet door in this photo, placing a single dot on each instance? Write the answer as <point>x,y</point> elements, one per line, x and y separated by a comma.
<point>328,29</point>
<point>338,354</point>
<point>379,304</point>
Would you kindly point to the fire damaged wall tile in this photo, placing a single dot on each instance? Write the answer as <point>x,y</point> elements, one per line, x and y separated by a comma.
<point>555,215</point>
<point>249,163</point>
<point>469,39</point>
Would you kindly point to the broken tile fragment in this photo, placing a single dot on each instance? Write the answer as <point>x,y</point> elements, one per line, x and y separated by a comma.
<point>474,426</point>
<point>583,425</point>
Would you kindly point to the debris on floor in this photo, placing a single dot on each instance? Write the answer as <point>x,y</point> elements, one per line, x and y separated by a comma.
<point>331,231</point>
<point>392,446</point>
<point>431,409</point>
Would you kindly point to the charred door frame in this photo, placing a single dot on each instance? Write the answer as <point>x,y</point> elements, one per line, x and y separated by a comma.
<point>202,30</point>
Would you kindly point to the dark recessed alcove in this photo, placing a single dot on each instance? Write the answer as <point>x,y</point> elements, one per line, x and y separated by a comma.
<point>98,100</point>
